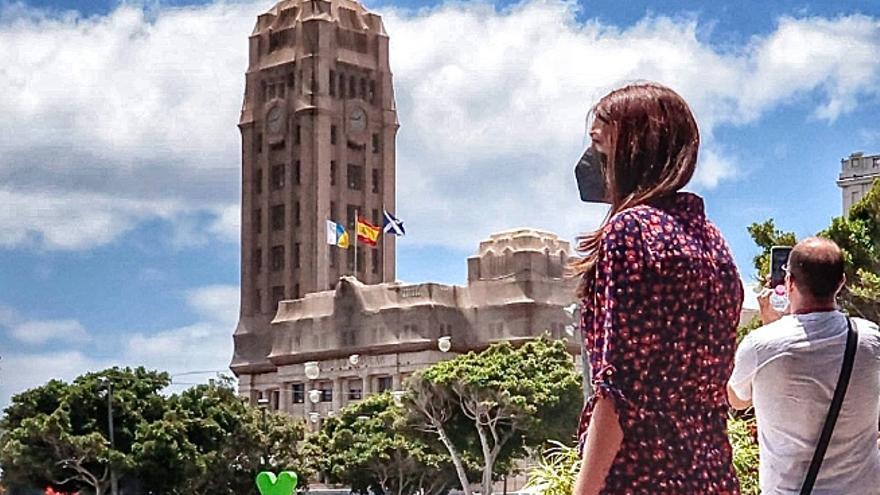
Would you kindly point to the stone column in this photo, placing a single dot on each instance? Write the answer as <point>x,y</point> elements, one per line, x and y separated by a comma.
<point>338,390</point>
<point>284,397</point>
<point>367,382</point>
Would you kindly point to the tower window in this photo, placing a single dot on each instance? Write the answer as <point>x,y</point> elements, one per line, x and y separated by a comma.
<point>258,181</point>
<point>375,260</point>
<point>372,94</point>
<point>352,87</point>
<point>297,172</point>
<point>332,172</point>
<point>277,295</point>
<point>332,134</point>
<point>277,258</point>
<point>355,177</point>
<point>258,143</point>
<point>277,177</point>
<point>258,220</point>
<point>363,89</point>
<point>375,180</point>
<point>375,143</point>
<point>296,293</point>
<point>258,260</point>
<point>298,137</point>
<point>296,255</point>
<point>291,79</point>
<point>333,211</point>
<point>277,217</point>
<point>296,214</point>
<point>350,213</point>
<point>258,301</point>
<point>342,85</point>
<point>334,256</point>
<point>375,216</point>
<point>332,84</point>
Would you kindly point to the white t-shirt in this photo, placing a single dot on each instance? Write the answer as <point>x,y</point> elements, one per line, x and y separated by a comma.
<point>789,369</point>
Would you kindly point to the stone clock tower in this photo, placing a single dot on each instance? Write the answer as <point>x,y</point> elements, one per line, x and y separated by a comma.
<point>318,128</point>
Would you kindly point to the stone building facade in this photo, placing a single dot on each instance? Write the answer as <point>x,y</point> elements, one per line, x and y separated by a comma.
<point>857,175</point>
<point>369,338</point>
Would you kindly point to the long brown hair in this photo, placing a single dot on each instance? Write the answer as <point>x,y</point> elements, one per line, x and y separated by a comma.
<point>653,142</point>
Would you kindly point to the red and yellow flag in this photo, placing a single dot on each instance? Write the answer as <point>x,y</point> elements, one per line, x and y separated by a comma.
<point>367,233</point>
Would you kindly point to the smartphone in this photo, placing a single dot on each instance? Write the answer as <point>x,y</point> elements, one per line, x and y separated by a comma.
<point>778,259</point>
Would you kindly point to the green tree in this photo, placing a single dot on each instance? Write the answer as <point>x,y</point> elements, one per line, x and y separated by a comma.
<point>858,235</point>
<point>204,440</point>
<point>497,405</point>
<point>766,235</point>
<point>57,434</point>
<point>369,447</point>
<point>211,441</point>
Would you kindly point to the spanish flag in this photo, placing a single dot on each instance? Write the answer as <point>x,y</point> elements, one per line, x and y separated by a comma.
<point>367,232</point>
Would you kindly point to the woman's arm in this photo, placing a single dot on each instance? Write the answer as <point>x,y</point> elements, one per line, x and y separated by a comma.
<point>604,437</point>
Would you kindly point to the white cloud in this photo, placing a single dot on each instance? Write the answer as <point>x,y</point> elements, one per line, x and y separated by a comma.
<point>43,331</point>
<point>205,345</point>
<point>114,120</point>
<point>492,103</point>
<point>21,371</point>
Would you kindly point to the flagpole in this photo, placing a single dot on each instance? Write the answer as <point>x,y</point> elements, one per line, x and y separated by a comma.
<point>355,242</point>
<point>382,233</point>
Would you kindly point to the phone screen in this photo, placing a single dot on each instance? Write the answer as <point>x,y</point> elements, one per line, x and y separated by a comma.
<point>778,259</point>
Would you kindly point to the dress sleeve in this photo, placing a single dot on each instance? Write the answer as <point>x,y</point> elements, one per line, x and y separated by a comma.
<point>623,273</point>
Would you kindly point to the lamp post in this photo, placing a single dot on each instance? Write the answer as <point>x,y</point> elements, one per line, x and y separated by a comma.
<point>114,482</point>
<point>574,312</point>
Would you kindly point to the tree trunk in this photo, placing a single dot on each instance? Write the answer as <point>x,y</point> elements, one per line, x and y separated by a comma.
<point>456,459</point>
<point>488,459</point>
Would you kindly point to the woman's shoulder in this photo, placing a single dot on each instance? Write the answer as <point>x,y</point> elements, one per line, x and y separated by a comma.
<point>634,218</point>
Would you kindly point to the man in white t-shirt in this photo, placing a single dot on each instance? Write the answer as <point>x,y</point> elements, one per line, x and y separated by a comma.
<point>789,369</point>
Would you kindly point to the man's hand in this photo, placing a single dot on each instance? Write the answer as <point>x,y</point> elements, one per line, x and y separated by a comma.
<point>768,314</point>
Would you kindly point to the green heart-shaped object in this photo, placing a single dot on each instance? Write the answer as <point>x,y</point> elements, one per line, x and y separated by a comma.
<point>284,484</point>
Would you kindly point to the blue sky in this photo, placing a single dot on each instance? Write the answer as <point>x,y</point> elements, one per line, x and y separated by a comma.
<point>119,151</point>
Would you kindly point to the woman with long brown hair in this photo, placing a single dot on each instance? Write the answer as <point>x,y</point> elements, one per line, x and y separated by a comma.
<point>661,301</point>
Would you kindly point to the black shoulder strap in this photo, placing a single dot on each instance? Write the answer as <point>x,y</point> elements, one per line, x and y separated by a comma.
<point>852,341</point>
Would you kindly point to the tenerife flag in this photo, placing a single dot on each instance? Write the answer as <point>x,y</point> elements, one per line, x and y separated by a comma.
<point>336,235</point>
<point>393,225</point>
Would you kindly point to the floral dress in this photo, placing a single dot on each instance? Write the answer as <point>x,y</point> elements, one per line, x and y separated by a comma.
<point>659,323</point>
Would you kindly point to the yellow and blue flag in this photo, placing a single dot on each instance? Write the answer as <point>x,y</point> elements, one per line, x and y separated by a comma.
<point>336,235</point>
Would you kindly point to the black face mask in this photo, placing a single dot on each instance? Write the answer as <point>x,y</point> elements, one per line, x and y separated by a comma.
<point>590,176</point>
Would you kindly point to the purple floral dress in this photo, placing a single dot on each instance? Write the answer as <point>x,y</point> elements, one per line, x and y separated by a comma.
<point>659,323</point>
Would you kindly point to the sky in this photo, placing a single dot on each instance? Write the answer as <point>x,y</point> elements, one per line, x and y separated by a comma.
<point>120,161</point>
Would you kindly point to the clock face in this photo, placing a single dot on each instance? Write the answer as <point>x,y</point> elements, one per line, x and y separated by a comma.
<point>275,119</point>
<point>357,120</point>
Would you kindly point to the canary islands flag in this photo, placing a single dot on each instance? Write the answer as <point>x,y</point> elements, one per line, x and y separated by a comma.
<point>367,232</point>
<point>336,235</point>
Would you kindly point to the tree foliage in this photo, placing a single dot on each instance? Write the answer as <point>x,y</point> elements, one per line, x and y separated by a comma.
<point>369,447</point>
<point>204,440</point>
<point>493,407</point>
<point>57,435</point>
<point>858,235</point>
